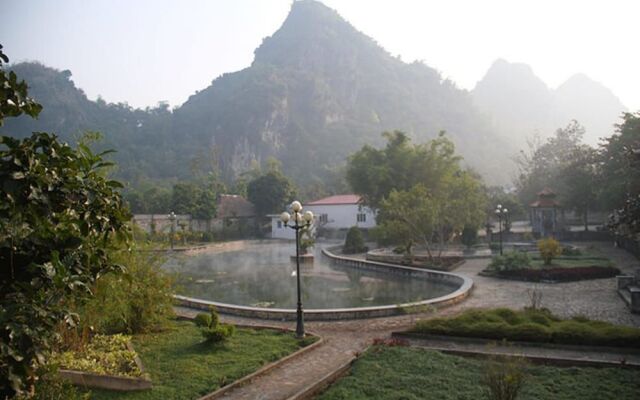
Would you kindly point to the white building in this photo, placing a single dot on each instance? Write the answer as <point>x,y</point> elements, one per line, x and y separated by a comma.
<point>333,212</point>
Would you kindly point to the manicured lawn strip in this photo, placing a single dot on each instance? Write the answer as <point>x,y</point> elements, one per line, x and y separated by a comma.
<point>411,373</point>
<point>181,366</point>
<point>530,326</point>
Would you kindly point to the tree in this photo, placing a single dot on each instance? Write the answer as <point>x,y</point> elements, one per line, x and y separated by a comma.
<point>271,191</point>
<point>14,100</point>
<point>541,167</point>
<point>620,158</point>
<point>59,219</point>
<point>429,216</point>
<point>568,166</point>
<point>375,173</point>
<point>578,182</point>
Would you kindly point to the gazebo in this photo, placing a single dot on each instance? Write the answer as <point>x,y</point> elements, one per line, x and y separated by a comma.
<point>545,214</point>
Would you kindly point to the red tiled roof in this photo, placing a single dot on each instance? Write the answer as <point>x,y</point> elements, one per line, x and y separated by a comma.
<point>545,203</point>
<point>336,200</point>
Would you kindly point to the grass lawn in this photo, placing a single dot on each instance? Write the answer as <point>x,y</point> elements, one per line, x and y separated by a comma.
<point>182,366</point>
<point>530,325</point>
<point>410,373</point>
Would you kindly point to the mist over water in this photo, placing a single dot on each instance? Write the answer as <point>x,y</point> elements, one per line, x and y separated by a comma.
<point>262,275</point>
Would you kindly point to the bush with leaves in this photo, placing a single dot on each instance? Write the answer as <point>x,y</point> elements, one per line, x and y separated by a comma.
<point>354,243</point>
<point>504,377</point>
<point>469,236</point>
<point>212,330</point>
<point>60,218</point>
<point>510,261</point>
<point>138,300</point>
<point>549,249</point>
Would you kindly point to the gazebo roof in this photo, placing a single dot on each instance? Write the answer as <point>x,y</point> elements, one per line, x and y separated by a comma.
<point>546,199</point>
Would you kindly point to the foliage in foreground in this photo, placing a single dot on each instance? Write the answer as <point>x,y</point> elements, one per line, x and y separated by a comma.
<point>531,326</point>
<point>104,355</point>
<point>411,373</point>
<point>140,299</point>
<point>182,366</point>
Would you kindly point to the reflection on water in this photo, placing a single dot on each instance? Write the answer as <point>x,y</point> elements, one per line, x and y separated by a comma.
<point>262,275</point>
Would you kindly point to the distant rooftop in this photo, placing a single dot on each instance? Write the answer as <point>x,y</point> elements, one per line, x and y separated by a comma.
<point>339,199</point>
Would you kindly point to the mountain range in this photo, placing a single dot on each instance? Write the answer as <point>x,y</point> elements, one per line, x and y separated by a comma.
<point>317,90</point>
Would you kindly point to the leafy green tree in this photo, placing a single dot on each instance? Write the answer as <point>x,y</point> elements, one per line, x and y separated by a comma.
<point>271,191</point>
<point>578,180</point>
<point>541,166</point>
<point>620,165</point>
<point>432,217</point>
<point>620,158</point>
<point>375,173</point>
<point>59,219</point>
<point>14,100</point>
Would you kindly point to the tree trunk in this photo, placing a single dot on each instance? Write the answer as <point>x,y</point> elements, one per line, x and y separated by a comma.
<point>585,215</point>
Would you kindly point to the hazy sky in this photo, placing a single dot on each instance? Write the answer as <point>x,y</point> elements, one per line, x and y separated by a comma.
<point>143,51</point>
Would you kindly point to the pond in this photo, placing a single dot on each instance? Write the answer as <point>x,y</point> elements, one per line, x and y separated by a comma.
<point>262,275</point>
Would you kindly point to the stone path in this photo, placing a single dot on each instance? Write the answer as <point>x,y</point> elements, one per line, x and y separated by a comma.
<point>596,299</point>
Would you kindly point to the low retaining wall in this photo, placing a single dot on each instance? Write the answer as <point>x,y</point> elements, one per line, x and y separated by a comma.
<point>463,285</point>
<point>416,261</point>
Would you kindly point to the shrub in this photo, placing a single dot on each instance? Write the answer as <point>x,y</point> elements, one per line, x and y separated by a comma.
<point>212,330</point>
<point>218,333</point>
<point>354,243</point>
<point>549,249</point>
<point>469,236</point>
<point>203,320</point>
<point>510,261</point>
<point>504,377</point>
<point>139,300</point>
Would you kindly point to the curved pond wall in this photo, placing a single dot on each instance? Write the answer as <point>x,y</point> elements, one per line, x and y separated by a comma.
<point>461,284</point>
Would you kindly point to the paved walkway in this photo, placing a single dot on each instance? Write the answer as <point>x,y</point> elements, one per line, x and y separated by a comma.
<point>596,299</point>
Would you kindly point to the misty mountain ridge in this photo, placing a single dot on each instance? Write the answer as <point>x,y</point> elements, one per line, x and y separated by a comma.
<point>520,104</point>
<point>317,91</point>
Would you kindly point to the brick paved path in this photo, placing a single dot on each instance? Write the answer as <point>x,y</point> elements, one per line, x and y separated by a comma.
<point>596,299</point>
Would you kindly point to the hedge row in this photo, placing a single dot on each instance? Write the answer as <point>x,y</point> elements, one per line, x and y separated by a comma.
<point>531,326</point>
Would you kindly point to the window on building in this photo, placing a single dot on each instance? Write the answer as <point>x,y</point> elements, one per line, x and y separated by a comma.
<point>324,218</point>
<point>279,224</point>
<point>362,217</point>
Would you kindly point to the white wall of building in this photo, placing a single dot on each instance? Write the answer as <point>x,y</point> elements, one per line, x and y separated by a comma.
<point>279,230</point>
<point>342,216</point>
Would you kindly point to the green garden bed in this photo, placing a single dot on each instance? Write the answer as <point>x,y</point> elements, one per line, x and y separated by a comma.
<point>182,366</point>
<point>566,268</point>
<point>410,373</point>
<point>104,355</point>
<point>531,326</point>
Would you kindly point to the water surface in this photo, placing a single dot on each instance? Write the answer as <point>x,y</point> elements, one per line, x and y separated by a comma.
<point>262,275</point>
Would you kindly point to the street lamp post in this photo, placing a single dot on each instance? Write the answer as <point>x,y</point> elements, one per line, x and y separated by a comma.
<point>172,217</point>
<point>501,213</point>
<point>300,221</point>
